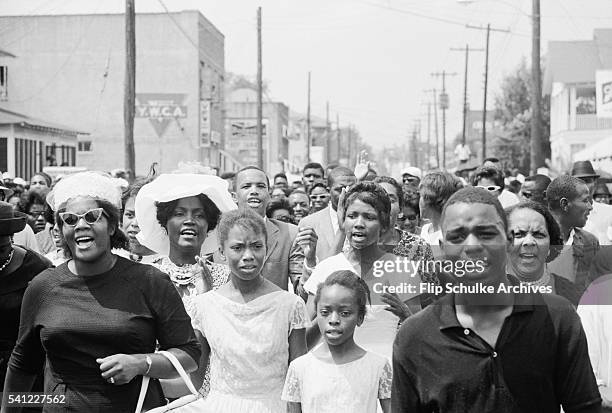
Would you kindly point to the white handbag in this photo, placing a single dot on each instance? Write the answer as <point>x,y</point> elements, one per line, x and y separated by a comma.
<point>191,403</point>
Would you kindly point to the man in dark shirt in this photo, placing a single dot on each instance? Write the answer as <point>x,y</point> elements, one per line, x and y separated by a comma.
<point>502,351</point>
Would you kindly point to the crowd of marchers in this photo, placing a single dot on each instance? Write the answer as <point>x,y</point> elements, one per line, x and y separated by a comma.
<point>257,294</point>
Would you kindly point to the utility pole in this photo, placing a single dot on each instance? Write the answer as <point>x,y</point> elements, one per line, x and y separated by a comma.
<point>260,160</point>
<point>308,123</point>
<point>465,103</point>
<point>536,92</point>
<point>327,134</point>
<point>443,106</point>
<point>435,104</point>
<point>129,103</point>
<point>350,137</point>
<point>428,163</point>
<point>339,136</point>
<point>486,81</point>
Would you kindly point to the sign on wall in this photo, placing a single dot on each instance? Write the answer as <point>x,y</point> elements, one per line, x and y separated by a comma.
<point>242,141</point>
<point>160,109</point>
<point>603,93</point>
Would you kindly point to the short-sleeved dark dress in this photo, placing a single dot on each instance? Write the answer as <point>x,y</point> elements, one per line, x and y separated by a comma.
<point>73,320</point>
<point>12,288</point>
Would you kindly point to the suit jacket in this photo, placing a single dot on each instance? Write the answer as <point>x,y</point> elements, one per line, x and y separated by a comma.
<point>585,247</point>
<point>321,222</point>
<point>284,258</point>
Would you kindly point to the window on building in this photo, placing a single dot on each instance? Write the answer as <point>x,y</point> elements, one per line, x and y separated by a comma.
<point>585,100</point>
<point>3,82</point>
<point>84,146</point>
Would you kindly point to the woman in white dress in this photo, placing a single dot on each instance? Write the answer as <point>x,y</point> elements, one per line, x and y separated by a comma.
<point>252,329</point>
<point>177,214</point>
<point>366,209</point>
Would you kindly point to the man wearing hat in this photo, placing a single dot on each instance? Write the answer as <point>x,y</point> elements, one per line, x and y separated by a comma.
<point>600,218</point>
<point>411,176</point>
<point>24,236</point>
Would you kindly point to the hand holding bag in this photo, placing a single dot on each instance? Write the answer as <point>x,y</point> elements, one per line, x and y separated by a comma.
<point>191,403</point>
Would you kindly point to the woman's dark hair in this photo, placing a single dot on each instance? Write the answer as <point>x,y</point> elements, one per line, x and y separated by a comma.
<point>34,198</point>
<point>398,188</point>
<point>350,280</point>
<point>554,232</point>
<point>166,209</point>
<point>373,195</point>
<point>244,218</point>
<point>277,204</point>
<point>117,241</point>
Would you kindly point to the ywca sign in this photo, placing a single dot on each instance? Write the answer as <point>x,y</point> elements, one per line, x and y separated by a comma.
<point>160,109</point>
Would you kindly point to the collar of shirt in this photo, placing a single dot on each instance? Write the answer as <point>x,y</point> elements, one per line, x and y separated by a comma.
<point>570,239</point>
<point>333,214</point>
<point>448,316</point>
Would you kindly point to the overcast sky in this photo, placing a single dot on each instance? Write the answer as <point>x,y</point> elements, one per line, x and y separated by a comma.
<point>371,59</point>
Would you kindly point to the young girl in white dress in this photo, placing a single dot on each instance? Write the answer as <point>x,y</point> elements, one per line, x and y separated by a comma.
<point>252,329</point>
<point>339,376</point>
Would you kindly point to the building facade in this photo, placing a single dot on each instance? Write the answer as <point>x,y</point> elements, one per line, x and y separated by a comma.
<point>70,69</point>
<point>241,130</point>
<point>569,79</point>
<point>27,145</point>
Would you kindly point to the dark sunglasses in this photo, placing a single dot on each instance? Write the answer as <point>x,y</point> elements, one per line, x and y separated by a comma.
<point>91,217</point>
<point>324,196</point>
<point>284,218</point>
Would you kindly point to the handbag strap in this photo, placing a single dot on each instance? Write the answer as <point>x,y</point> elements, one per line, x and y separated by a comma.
<point>178,367</point>
<point>143,393</point>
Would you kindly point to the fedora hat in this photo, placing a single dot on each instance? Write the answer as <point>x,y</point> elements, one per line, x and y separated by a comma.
<point>583,169</point>
<point>601,189</point>
<point>10,221</point>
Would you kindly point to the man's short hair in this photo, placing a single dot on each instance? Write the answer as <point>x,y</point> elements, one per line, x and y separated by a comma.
<point>337,172</point>
<point>279,175</point>
<point>437,187</point>
<point>541,181</point>
<point>314,165</point>
<point>564,186</point>
<point>246,168</point>
<point>473,195</point>
<point>489,172</point>
<point>318,185</point>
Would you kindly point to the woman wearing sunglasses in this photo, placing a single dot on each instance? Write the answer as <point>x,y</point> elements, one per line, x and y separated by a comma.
<point>96,319</point>
<point>491,178</point>
<point>177,214</point>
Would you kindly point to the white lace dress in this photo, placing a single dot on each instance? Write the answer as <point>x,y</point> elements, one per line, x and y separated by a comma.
<point>353,387</point>
<point>190,284</point>
<point>249,349</point>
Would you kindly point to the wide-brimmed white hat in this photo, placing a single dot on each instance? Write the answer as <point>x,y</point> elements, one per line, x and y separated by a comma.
<point>169,187</point>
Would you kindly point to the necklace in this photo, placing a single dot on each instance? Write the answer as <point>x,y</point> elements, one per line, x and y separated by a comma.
<point>8,261</point>
<point>180,274</point>
<point>544,280</point>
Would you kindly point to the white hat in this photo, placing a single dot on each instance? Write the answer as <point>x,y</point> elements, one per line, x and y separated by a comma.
<point>96,185</point>
<point>169,187</point>
<point>19,181</point>
<point>543,171</point>
<point>413,171</point>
